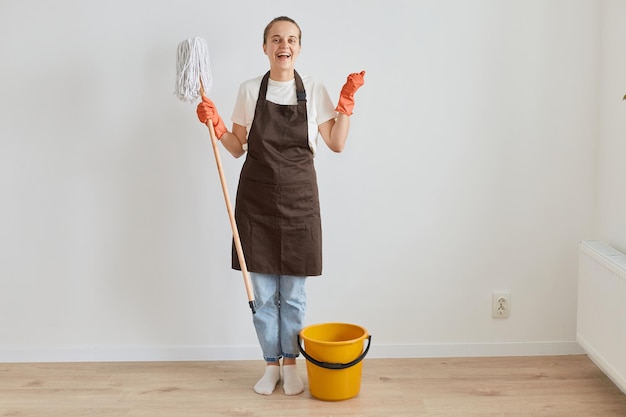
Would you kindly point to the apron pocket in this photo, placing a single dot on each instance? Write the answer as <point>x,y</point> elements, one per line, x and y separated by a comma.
<point>293,249</point>
<point>286,201</point>
<point>287,248</point>
<point>264,243</point>
<point>297,200</point>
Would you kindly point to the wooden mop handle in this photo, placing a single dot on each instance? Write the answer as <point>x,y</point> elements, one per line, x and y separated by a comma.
<point>231,216</point>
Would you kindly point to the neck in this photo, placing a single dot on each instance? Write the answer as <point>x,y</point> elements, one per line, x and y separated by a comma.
<point>282,75</point>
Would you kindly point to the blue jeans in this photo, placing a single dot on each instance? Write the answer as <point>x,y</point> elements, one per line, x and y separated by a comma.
<point>280,308</point>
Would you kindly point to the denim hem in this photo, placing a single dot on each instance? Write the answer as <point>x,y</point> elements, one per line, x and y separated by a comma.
<point>277,358</point>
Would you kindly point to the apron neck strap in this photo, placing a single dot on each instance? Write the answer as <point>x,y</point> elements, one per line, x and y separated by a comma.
<point>300,92</point>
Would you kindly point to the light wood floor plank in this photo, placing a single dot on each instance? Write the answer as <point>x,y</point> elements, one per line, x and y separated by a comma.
<point>568,386</point>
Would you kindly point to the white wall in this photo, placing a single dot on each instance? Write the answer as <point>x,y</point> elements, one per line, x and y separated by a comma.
<point>611,191</point>
<point>470,168</point>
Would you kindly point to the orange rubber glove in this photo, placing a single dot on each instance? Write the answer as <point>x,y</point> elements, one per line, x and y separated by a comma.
<point>206,110</point>
<point>346,97</point>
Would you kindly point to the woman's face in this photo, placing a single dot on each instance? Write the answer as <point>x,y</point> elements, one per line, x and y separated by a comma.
<point>282,45</point>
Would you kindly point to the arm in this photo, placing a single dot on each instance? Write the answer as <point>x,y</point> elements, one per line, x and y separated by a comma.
<point>234,141</point>
<point>335,131</point>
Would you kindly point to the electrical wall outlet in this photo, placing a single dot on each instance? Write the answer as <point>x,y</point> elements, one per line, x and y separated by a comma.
<point>500,304</point>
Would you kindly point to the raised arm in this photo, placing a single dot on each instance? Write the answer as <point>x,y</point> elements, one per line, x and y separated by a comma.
<point>335,131</point>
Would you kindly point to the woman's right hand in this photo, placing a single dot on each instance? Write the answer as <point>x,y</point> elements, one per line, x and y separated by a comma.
<point>206,111</point>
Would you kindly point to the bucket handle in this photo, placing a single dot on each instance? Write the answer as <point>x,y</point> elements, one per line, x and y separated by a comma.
<point>331,365</point>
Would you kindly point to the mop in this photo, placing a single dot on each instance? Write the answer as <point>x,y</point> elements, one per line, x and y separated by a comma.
<point>193,79</point>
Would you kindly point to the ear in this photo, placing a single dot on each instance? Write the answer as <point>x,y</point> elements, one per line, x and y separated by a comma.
<point>265,49</point>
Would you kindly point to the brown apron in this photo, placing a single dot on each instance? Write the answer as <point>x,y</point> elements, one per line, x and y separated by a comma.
<point>277,205</point>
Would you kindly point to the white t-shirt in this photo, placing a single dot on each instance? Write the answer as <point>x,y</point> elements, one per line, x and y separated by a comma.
<point>319,106</point>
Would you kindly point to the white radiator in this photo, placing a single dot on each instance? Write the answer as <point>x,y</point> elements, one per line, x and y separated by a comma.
<point>601,321</point>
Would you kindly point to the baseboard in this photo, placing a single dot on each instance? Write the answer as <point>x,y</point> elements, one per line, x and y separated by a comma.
<point>193,353</point>
<point>128,354</point>
<point>458,350</point>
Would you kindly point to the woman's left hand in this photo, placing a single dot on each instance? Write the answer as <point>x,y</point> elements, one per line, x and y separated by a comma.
<point>346,97</point>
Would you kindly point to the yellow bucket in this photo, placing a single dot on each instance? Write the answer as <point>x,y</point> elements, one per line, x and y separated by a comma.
<point>334,353</point>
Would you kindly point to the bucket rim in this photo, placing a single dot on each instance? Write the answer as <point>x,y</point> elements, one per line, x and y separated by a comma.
<point>343,342</point>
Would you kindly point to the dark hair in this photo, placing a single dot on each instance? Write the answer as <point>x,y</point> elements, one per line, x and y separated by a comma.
<point>281,19</point>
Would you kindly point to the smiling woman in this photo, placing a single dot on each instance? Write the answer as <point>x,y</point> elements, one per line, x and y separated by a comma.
<point>277,119</point>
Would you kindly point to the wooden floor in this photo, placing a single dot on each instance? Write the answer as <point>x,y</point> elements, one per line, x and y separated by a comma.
<point>568,386</point>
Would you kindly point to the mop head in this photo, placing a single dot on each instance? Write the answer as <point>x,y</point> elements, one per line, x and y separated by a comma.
<point>193,71</point>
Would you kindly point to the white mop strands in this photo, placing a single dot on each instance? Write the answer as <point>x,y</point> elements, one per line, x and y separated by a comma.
<point>193,70</point>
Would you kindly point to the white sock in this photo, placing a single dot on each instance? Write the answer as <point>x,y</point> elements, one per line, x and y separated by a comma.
<point>268,382</point>
<point>292,384</point>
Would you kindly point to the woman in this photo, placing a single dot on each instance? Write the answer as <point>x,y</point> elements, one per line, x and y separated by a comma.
<point>276,120</point>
